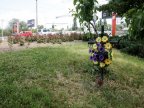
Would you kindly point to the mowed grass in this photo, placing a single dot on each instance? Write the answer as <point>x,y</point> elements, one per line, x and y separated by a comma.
<point>61,77</point>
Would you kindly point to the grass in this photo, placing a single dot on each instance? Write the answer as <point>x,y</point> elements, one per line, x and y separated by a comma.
<point>61,77</point>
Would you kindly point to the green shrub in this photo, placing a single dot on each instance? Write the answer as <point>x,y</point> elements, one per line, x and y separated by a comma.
<point>40,39</point>
<point>87,36</point>
<point>136,49</point>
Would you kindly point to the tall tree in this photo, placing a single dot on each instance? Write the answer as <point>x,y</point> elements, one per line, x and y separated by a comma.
<point>85,11</point>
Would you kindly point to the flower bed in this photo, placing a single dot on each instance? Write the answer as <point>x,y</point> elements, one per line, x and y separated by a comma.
<point>56,38</point>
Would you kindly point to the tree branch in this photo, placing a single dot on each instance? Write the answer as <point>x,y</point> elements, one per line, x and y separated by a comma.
<point>94,28</point>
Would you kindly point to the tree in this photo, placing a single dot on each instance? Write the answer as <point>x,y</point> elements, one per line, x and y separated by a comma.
<point>136,28</point>
<point>133,11</point>
<point>12,22</point>
<point>122,6</point>
<point>22,25</point>
<point>85,11</point>
<point>40,27</point>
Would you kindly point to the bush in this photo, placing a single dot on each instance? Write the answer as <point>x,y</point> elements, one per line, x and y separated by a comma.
<point>87,36</point>
<point>136,49</point>
<point>22,41</point>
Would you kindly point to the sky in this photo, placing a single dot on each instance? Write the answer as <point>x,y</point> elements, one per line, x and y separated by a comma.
<point>48,10</point>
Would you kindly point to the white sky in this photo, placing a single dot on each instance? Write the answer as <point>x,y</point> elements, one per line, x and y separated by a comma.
<point>48,10</point>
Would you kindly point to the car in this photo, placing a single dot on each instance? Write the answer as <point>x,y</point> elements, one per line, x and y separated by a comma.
<point>26,33</point>
<point>45,32</point>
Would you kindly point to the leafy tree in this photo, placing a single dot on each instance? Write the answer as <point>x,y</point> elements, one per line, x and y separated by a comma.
<point>22,25</point>
<point>122,6</point>
<point>12,22</point>
<point>7,32</point>
<point>85,11</point>
<point>136,29</point>
<point>40,27</point>
<point>133,11</point>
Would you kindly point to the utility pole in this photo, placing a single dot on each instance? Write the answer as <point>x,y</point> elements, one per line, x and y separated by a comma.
<point>36,14</point>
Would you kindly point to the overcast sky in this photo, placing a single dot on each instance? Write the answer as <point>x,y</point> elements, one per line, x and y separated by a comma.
<point>48,10</point>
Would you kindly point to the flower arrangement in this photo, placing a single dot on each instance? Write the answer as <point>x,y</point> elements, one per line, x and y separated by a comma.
<point>101,53</point>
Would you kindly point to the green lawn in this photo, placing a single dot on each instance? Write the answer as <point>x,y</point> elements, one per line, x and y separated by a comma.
<point>61,77</point>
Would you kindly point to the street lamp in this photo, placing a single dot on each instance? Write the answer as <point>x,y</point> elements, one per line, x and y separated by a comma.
<point>36,14</point>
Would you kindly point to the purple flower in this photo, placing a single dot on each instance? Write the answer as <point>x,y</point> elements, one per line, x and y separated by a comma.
<point>90,50</point>
<point>101,57</point>
<point>91,57</point>
<point>95,59</point>
<point>99,44</point>
<point>95,54</point>
<point>101,49</point>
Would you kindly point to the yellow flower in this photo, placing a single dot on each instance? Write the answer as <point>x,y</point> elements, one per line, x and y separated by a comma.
<point>104,39</point>
<point>94,46</point>
<point>95,62</point>
<point>102,65</point>
<point>107,61</point>
<point>98,39</point>
<point>108,46</point>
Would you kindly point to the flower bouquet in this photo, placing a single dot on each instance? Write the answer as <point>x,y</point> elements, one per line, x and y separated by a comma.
<point>101,54</point>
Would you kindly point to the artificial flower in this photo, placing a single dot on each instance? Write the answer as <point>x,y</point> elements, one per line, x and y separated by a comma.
<point>98,39</point>
<point>99,44</point>
<point>94,46</point>
<point>104,39</point>
<point>101,49</point>
<point>101,52</point>
<point>96,56</point>
<point>95,62</point>
<point>108,46</point>
<point>90,50</point>
<point>94,59</point>
<point>102,64</point>
<point>101,57</point>
<point>107,61</point>
<point>91,57</point>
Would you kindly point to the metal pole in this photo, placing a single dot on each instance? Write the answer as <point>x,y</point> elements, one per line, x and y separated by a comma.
<point>36,14</point>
